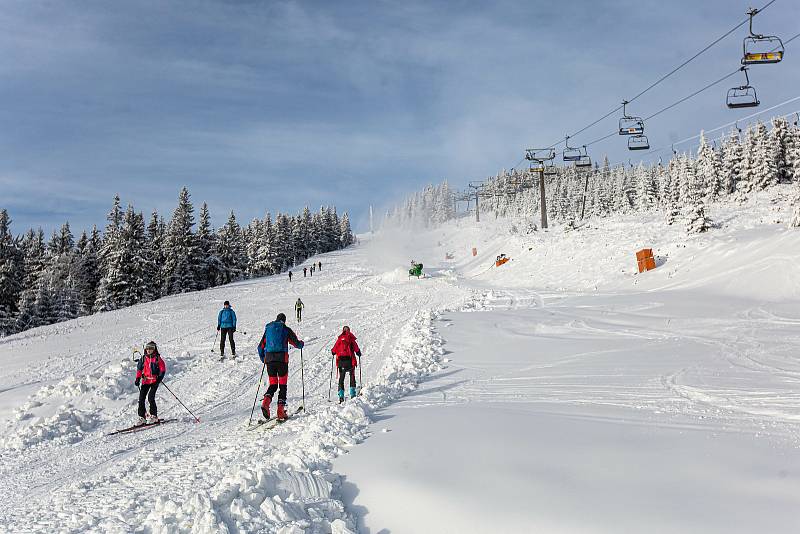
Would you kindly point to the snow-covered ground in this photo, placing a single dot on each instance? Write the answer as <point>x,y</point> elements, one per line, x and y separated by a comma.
<point>561,392</point>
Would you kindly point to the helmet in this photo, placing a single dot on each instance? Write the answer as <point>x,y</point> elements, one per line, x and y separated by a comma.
<point>226,303</point>
<point>346,328</point>
<point>151,346</point>
<point>281,317</point>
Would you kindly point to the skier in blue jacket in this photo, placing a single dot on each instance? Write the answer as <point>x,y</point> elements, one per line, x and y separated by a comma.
<point>274,352</point>
<point>226,325</point>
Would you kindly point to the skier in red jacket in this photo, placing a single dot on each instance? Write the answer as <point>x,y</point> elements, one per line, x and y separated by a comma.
<point>150,372</point>
<point>345,350</point>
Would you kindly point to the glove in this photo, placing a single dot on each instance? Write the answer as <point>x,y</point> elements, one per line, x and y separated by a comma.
<point>234,329</point>
<point>137,381</point>
<point>300,344</point>
<point>159,379</point>
<point>217,329</point>
<point>333,353</point>
<point>358,354</point>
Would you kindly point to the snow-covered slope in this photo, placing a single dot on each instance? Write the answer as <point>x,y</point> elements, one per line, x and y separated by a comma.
<point>612,401</point>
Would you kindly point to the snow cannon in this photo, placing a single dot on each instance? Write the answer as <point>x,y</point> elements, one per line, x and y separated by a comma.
<point>501,260</point>
<point>415,270</point>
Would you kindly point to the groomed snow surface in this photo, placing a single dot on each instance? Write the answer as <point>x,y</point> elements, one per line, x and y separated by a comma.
<point>561,392</point>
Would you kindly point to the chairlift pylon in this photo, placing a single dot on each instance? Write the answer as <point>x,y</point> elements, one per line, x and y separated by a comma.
<point>744,96</point>
<point>638,142</point>
<point>569,153</point>
<point>760,49</point>
<point>629,125</point>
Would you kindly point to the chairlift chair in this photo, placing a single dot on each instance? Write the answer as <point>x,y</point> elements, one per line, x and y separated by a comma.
<point>760,49</point>
<point>584,160</point>
<point>569,153</point>
<point>550,169</point>
<point>638,142</point>
<point>629,125</point>
<point>743,96</point>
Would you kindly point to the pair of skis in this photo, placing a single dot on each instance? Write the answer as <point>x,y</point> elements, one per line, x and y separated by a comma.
<point>138,427</point>
<point>266,424</point>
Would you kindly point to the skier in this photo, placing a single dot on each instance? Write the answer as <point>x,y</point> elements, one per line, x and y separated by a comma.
<point>305,269</point>
<point>226,323</point>
<point>274,352</point>
<point>290,276</point>
<point>320,265</point>
<point>298,309</point>
<point>345,350</point>
<point>150,371</point>
<point>311,271</point>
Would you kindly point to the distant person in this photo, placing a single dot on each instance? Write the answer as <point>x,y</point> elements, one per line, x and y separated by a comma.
<point>320,265</point>
<point>345,351</point>
<point>290,276</point>
<point>305,270</point>
<point>150,371</point>
<point>226,324</point>
<point>274,352</point>
<point>311,271</point>
<point>298,309</point>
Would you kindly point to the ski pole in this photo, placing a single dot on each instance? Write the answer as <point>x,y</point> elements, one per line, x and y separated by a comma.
<point>214,346</point>
<point>330,384</point>
<point>302,380</point>
<point>196,419</point>
<point>257,391</point>
<point>360,377</point>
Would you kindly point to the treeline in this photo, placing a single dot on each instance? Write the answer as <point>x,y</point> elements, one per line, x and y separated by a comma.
<point>738,165</point>
<point>132,261</point>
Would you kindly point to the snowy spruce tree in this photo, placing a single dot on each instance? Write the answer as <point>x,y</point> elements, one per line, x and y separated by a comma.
<point>11,275</point>
<point>230,250</point>
<point>181,264</point>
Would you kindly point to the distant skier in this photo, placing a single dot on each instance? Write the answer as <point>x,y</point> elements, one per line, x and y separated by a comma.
<point>305,270</point>
<point>320,265</point>
<point>311,271</point>
<point>298,309</point>
<point>274,352</point>
<point>346,350</point>
<point>150,371</point>
<point>290,276</point>
<point>226,323</point>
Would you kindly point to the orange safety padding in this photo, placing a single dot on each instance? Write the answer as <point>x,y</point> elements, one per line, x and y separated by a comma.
<point>644,254</point>
<point>500,262</point>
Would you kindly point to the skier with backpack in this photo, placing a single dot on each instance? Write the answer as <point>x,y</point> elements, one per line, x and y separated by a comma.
<point>298,309</point>
<point>226,324</point>
<point>345,350</point>
<point>150,371</point>
<point>274,353</point>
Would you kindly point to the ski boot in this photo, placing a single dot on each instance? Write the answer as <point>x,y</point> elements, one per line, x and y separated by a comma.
<point>282,413</point>
<point>265,406</point>
<point>352,393</point>
<point>153,419</point>
<point>341,396</point>
<point>141,421</point>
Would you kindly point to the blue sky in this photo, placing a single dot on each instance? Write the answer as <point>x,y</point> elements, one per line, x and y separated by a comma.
<point>262,106</point>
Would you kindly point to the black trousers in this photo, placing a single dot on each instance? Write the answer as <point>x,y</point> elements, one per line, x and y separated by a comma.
<point>148,391</point>
<point>299,314</point>
<point>229,333</point>
<point>346,366</point>
<point>278,376</point>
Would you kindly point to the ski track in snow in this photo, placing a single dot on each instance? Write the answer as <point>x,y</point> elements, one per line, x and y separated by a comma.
<point>214,476</point>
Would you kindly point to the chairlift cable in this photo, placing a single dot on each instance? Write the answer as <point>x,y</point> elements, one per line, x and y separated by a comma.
<point>664,77</point>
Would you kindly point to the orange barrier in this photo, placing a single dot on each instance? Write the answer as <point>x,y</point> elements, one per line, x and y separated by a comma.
<point>501,259</point>
<point>645,260</point>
